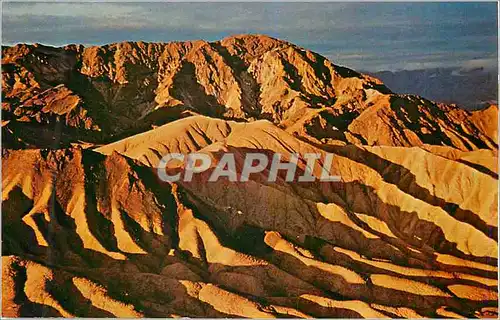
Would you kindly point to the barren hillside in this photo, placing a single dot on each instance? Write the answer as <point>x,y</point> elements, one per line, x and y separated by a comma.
<point>55,96</point>
<point>89,230</point>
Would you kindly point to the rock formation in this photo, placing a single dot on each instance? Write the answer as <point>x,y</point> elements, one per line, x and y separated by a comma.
<point>101,94</point>
<point>89,230</point>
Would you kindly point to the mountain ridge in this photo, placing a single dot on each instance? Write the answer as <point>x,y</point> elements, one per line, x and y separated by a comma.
<point>470,88</point>
<point>90,230</point>
<point>404,225</point>
<point>102,93</point>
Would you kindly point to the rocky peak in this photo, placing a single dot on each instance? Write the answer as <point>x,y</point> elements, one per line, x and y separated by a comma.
<point>129,87</point>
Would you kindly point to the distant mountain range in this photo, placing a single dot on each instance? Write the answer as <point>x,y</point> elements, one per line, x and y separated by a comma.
<point>468,88</point>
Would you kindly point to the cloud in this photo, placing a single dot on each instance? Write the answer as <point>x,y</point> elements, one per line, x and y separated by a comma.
<point>366,36</point>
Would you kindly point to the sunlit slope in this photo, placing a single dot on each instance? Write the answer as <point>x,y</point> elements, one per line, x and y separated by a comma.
<point>407,232</point>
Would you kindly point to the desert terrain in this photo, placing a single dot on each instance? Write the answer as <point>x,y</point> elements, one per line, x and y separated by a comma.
<point>88,229</point>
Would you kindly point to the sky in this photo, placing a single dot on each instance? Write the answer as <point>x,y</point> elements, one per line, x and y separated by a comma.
<point>362,36</point>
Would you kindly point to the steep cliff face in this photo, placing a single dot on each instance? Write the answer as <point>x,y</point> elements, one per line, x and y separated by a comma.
<point>99,94</point>
<point>89,229</point>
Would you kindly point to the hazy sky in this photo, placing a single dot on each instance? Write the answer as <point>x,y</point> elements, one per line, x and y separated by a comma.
<point>368,37</point>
